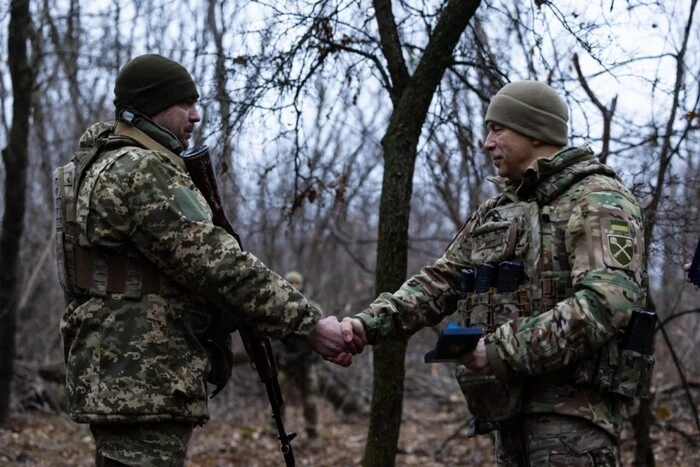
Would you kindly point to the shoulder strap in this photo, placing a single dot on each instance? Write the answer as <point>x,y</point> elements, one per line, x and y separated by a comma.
<point>145,141</point>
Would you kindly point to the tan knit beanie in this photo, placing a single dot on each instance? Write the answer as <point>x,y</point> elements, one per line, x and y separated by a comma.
<point>533,109</point>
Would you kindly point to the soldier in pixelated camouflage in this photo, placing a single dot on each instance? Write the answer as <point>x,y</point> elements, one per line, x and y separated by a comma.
<point>145,270</point>
<point>557,259</point>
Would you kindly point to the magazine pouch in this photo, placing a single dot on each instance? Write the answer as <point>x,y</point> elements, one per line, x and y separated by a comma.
<point>489,399</point>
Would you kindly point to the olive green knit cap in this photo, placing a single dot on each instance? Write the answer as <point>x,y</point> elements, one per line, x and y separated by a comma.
<point>294,277</point>
<point>151,83</point>
<point>533,109</point>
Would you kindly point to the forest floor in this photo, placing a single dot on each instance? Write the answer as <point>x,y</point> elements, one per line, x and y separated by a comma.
<point>431,435</point>
<point>241,433</point>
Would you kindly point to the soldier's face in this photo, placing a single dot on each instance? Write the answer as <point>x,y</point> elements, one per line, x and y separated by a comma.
<point>179,119</point>
<point>510,151</point>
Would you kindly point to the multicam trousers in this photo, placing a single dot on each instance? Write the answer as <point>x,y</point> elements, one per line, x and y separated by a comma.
<point>554,440</point>
<point>141,444</point>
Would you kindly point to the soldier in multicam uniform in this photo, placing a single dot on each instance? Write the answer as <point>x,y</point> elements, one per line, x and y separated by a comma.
<point>297,365</point>
<point>547,376</point>
<point>145,271</point>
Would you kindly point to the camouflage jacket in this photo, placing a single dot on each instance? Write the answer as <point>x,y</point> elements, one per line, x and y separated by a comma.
<point>578,230</point>
<point>138,358</point>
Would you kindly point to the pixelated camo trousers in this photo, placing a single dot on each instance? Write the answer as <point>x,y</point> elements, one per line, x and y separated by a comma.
<point>141,444</point>
<point>553,441</point>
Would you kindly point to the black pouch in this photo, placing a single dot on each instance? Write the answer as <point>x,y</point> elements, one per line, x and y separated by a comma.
<point>489,399</point>
<point>633,373</point>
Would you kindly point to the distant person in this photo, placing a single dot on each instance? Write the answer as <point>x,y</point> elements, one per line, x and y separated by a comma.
<point>144,270</point>
<point>557,263</point>
<point>297,365</point>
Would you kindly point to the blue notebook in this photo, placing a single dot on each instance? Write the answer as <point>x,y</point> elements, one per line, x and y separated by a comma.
<point>453,342</point>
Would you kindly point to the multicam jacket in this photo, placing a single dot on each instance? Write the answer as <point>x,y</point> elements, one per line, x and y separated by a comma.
<point>578,231</point>
<point>136,357</point>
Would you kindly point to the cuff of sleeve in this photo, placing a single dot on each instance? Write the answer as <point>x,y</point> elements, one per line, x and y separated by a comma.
<point>306,324</point>
<point>371,324</point>
<point>498,366</point>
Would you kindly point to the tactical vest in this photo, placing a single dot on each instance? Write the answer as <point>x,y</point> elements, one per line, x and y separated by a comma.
<point>499,289</point>
<point>81,271</point>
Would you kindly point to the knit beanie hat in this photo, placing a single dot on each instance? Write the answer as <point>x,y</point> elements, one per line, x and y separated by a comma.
<point>151,83</point>
<point>294,277</point>
<point>533,109</point>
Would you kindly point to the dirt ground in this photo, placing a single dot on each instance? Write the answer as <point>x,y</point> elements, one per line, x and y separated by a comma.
<point>427,438</point>
<point>433,430</point>
<point>431,435</point>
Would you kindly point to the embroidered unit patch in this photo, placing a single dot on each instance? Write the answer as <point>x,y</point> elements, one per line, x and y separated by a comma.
<point>619,242</point>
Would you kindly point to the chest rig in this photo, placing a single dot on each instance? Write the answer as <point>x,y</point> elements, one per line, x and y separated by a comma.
<point>520,262</point>
<point>82,271</point>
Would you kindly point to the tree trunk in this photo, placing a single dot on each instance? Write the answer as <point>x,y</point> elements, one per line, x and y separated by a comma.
<point>411,99</point>
<point>15,160</point>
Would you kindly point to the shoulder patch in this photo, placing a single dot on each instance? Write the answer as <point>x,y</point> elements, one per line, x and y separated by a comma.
<point>618,244</point>
<point>188,204</point>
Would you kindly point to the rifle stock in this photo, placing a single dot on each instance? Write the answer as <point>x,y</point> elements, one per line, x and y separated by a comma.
<point>259,349</point>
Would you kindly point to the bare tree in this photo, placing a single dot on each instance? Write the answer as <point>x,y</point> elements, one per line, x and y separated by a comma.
<point>411,96</point>
<point>14,157</point>
<point>309,104</point>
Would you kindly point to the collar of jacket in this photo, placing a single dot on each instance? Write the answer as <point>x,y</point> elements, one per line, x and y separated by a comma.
<point>564,164</point>
<point>124,129</point>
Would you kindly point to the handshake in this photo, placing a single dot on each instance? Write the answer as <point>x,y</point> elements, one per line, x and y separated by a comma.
<point>337,341</point>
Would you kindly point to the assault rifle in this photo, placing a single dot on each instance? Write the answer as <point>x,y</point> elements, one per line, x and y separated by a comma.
<point>259,349</point>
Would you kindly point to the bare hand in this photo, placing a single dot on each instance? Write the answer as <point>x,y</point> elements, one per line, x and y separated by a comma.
<point>354,334</point>
<point>328,340</point>
<point>477,360</point>
<point>343,359</point>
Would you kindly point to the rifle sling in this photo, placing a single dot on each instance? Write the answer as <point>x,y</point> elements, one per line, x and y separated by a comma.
<point>123,129</point>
